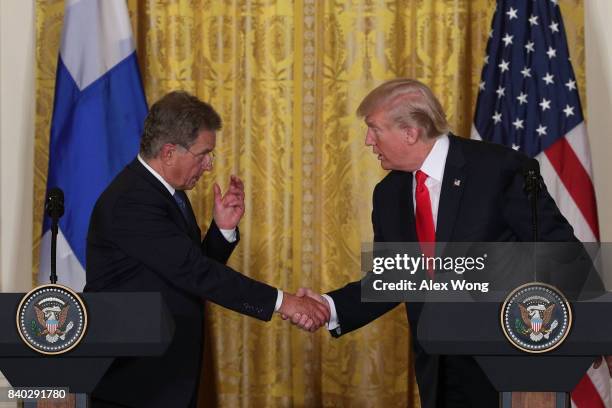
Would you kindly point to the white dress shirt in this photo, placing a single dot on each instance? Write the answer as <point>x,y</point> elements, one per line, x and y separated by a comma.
<point>433,166</point>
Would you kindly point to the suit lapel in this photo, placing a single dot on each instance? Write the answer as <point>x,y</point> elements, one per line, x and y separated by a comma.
<point>191,227</point>
<point>194,228</point>
<point>453,183</point>
<point>396,209</point>
<point>138,168</point>
<point>407,225</point>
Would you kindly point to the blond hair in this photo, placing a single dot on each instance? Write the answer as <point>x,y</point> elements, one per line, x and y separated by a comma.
<point>409,103</point>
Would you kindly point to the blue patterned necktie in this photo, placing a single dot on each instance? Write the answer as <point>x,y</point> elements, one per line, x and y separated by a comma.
<point>181,200</point>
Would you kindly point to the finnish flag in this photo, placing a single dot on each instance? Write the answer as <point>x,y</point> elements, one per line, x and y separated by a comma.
<point>98,113</point>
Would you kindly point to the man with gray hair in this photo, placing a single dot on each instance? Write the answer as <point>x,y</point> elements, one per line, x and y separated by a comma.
<point>143,236</point>
<point>440,188</point>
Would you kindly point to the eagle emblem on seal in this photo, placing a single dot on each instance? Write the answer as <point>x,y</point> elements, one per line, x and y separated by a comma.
<point>537,318</point>
<point>52,321</point>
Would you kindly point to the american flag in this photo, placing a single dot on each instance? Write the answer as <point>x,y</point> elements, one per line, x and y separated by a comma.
<point>528,99</point>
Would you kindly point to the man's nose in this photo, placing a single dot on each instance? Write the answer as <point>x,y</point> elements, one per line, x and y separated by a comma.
<point>369,139</point>
<point>205,166</point>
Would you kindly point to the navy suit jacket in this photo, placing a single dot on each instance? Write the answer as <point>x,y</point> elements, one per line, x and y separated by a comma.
<point>489,205</point>
<point>139,241</point>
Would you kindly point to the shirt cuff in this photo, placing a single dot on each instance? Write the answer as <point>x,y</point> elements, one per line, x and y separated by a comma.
<point>229,234</point>
<point>333,320</point>
<point>279,300</point>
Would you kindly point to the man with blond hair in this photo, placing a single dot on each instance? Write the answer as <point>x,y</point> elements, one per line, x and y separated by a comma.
<point>440,188</point>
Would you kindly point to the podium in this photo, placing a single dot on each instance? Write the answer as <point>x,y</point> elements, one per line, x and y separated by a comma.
<point>120,325</point>
<point>524,379</point>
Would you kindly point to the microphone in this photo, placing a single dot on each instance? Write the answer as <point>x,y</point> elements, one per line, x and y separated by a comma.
<point>54,207</point>
<point>533,180</point>
<point>533,185</point>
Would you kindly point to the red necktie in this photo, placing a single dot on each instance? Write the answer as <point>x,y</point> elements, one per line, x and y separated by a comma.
<point>426,232</point>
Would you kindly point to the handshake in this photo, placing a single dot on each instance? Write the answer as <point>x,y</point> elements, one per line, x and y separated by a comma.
<point>306,309</point>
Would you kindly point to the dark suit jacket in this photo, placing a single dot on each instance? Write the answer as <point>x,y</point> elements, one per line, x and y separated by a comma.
<point>140,241</point>
<point>489,206</point>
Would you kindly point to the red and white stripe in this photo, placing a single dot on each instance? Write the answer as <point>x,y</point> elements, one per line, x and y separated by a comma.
<point>567,170</point>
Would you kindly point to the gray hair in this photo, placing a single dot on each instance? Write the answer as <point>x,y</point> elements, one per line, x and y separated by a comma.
<point>176,118</point>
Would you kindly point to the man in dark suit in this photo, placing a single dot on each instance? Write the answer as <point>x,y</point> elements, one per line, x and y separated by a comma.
<point>440,188</point>
<point>143,236</point>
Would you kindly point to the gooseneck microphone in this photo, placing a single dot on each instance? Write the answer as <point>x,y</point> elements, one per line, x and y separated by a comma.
<point>54,207</point>
<point>533,185</point>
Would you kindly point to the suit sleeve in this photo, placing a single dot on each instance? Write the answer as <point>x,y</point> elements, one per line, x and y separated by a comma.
<point>352,312</point>
<point>142,229</point>
<point>215,246</point>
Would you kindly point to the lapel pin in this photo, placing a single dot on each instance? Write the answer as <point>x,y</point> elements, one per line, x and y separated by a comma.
<point>457,182</point>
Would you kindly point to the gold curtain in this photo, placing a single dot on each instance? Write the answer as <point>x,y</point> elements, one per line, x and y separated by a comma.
<point>286,77</point>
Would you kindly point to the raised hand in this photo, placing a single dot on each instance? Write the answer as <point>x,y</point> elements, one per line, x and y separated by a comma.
<point>310,314</point>
<point>229,207</point>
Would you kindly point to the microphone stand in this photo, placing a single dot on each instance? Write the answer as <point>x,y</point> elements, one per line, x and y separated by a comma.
<point>54,229</point>
<point>55,209</point>
<point>532,187</point>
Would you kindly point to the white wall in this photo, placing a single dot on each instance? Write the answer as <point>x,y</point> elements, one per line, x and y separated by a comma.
<point>17,86</point>
<point>598,33</point>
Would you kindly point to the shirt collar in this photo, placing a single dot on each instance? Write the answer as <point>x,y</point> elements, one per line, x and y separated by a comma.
<point>435,161</point>
<point>170,189</point>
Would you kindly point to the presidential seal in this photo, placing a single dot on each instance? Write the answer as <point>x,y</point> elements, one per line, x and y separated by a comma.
<point>536,317</point>
<point>51,319</point>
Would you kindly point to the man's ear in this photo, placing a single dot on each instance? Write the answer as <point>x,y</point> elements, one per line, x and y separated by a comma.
<point>168,153</point>
<point>411,134</point>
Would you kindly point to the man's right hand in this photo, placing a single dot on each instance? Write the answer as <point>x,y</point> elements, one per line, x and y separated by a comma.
<point>305,312</point>
<point>300,320</point>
